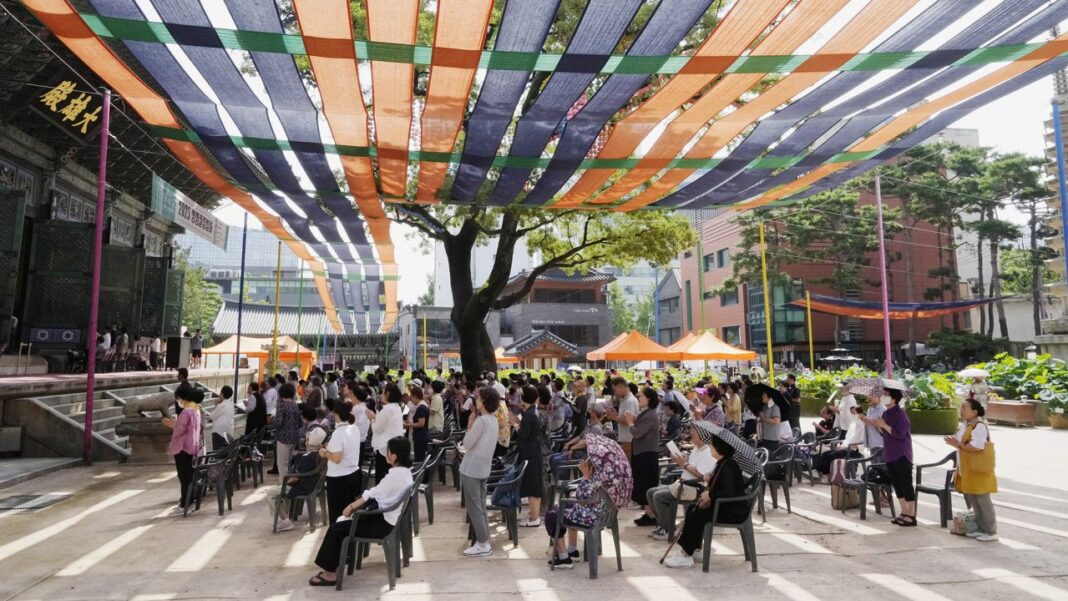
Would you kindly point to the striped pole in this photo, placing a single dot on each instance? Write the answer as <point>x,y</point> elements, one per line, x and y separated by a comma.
<point>767,301</point>
<point>888,345</point>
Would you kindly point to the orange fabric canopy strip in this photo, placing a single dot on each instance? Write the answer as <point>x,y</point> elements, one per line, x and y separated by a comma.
<point>65,23</point>
<point>397,22</point>
<point>746,20</point>
<point>860,313</point>
<point>867,25</point>
<point>326,26</point>
<point>459,34</point>
<point>906,121</point>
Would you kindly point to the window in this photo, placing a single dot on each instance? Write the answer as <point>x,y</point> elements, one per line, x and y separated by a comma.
<point>669,305</point>
<point>553,295</point>
<point>689,307</point>
<point>723,258</point>
<point>728,299</point>
<point>707,296</point>
<point>628,290</point>
<point>578,335</point>
<point>687,255</point>
<point>708,262</point>
<point>670,336</point>
<point>732,335</point>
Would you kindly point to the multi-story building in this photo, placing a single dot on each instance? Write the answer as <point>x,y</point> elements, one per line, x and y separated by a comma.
<point>482,259</point>
<point>668,309</point>
<point>738,317</point>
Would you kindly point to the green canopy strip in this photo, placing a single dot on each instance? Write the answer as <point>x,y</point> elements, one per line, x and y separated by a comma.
<point>283,43</point>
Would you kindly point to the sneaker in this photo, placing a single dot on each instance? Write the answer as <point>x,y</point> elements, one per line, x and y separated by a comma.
<point>987,538</point>
<point>530,523</point>
<point>478,550</point>
<point>678,559</point>
<point>562,563</point>
<point>698,556</point>
<point>645,520</point>
<point>574,556</point>
<point>659,534</point>
<point>975,534</point>
<point>284,526</point>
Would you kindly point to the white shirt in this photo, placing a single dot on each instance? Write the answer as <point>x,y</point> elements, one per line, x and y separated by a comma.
<point>501,390</point>
<point>845,417</point>
<point>855,434</point>
<point>702,459</point>
<point>222,419</point>
<point>363,423</point>
<point>345,440</point>
<point>391,489</point>
<point>979,435</point>
<point>153,347</point>
<point>250,403</point>
<point>388,424</point>
<point>107,339</point>
<point>270,400</point>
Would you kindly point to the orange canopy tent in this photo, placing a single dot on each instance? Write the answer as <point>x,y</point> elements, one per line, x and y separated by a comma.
<point>708,347</point>
<point>631,347</point>
<point>289,351</point>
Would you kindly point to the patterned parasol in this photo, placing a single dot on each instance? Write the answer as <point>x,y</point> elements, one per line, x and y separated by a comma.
<point>611,468</point>
<point>744,454</point>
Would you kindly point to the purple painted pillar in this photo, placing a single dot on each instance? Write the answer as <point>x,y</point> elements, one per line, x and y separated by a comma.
<point>882,275</point>
<point>94,296</point>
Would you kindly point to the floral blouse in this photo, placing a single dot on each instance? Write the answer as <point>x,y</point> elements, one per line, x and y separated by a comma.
<point>584,514</point>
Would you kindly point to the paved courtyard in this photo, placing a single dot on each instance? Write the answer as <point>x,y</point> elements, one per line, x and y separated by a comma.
<point>108,537</point>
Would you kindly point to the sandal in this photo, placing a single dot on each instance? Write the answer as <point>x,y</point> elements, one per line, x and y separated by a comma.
<point>318,580</point>
<point>908,521</point>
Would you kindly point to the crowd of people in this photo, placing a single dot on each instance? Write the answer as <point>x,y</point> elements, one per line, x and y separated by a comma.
<point>621,437</point>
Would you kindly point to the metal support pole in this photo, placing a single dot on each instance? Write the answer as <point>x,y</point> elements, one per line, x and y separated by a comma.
<point>656,304</point>
<point>882,274</point>
<point>277,304</point>
<point>808,318</point>
<point>94,295</point>
<point>767,302</point>
<point>240,310</point>
<point>300,312</point>
<point>424,339</point>
<point>1062,182</point>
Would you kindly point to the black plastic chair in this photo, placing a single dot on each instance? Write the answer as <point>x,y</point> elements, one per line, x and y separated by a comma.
<point>591,537</point>
<point>559,480</point>
<point>944,493</point>
<point>753,487</point>
<point>777,474</point>
<point>353,548</point>
<point>212,471</point>
<point>864,482</point>
<point>803,458</point>
<point>509,513</point>
<point>426,485</point>
<point>309,499</point>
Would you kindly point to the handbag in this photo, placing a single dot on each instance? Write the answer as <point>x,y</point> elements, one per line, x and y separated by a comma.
<point>963,523</point>
<point>682,492</point>
<point>984,461</point>
<point>843,498</point>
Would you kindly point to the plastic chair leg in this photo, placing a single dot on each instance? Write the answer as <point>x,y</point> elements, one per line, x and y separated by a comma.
<point>311,515</point>
<point>752,544</point>
<point>786,495</point>
<point>863,492</point>
<point>391,560</point>
<point>430,505</point>
<point>774,496</point>
<point>415,516</point>
<point>343,560</point>
<point>593,551</point>
<point>619,555</point>
<point>706,548</point>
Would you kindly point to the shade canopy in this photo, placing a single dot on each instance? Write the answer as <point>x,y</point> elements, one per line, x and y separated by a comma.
<point>289,351</point>
<point>633,346</point>
<point>707,347</point>
<point>874,310</point>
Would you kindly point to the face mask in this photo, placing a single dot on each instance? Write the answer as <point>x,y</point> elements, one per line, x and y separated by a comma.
<point>886,400</point>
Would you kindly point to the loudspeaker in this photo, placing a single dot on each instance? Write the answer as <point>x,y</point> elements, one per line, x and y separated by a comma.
<point>177,352</point>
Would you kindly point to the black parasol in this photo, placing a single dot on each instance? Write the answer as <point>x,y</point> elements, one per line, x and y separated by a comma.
<point>754,398</point>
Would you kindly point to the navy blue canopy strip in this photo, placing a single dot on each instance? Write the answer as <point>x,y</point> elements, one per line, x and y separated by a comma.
<point>523,29</point>
<point>919,83</point>
<point>599,31</point>
<point>668,25</point>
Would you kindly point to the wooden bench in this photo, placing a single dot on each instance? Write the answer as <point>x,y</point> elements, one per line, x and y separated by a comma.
<point>1015,413</point>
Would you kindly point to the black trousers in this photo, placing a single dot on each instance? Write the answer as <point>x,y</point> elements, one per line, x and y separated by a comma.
<point>795,415</point>
<point>218,442</point>
<point>342,490</point>
<point>381,467</point>
<point>372,526</point>
<point>183,462</point>
<point>693,527</point>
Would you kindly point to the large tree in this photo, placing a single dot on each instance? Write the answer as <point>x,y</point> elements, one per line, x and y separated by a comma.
<point>200,299</point>
<point>568,240</point>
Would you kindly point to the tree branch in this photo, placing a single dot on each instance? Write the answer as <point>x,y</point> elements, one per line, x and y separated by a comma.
<point>420,218</point>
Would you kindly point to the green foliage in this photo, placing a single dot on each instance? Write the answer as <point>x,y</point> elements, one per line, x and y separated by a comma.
<point>426,299</point>
<point>959,347</point>
<point>200,299</point>
<point>930,391</point>
<point>626,316</point>
<point>1017,268</point>
<point>1042,378</point>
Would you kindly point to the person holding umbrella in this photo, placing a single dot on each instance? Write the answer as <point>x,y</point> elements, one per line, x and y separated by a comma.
<point>725,481</point>
<point>978,390</point>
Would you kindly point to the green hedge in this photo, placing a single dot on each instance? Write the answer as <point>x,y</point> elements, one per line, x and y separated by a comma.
<point>934,421</point>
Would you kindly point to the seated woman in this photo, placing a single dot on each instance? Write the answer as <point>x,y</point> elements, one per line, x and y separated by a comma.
<point>391,488</point>
<point>850,448</point>
<point>673,411</point>
<point>826,423</point>
<point>576,447</point>
<point>576,516</point>
<point>725,481</point>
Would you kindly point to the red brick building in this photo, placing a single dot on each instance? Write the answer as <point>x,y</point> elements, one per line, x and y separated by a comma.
<point>738,317</point>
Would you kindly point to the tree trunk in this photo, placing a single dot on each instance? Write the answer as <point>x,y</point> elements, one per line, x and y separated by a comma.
<point>941,274</point>
<point>995,288</point>
<point>466,316</point>
<point>982,283</point>
<point>1037,281</point>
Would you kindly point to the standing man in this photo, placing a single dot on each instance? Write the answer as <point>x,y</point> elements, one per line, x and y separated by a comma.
<point>793,394</point>
<point>843,415</point>
<point>196,347</point>
<point>153,352</point>
<point>625,415</point>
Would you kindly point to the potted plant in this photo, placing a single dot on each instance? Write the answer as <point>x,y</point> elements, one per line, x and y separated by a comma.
<point>1056,402</point>
<point>932,404</point>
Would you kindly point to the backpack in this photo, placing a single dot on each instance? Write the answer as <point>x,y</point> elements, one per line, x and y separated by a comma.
<point>507,496</point>
<point>838,471</point>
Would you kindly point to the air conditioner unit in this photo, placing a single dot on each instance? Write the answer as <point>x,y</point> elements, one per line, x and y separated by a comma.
<point>843,335</point>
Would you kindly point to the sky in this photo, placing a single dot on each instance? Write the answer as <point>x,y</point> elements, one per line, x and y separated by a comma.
<point>1011,124</point>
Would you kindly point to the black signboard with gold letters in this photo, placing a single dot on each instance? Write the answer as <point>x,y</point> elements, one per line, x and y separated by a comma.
<point>76,111</point>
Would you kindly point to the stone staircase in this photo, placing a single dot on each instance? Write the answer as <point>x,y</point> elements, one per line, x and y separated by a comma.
<point>55,425</point>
